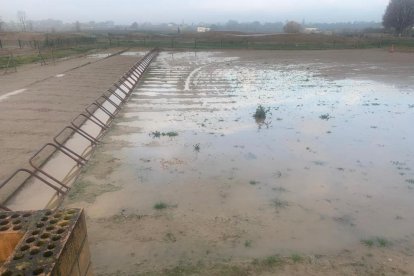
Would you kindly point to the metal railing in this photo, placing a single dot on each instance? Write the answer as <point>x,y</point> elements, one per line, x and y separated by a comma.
<point>108,106</point>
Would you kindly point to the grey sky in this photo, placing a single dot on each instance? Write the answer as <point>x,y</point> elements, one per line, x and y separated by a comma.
<point>210,11</point>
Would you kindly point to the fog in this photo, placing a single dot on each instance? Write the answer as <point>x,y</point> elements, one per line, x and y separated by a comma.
<point>188,11</point>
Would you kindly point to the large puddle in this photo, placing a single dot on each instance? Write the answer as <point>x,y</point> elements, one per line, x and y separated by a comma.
<point>332,163</point>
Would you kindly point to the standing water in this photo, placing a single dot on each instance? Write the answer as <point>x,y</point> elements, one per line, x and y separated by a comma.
<point>188,173</point>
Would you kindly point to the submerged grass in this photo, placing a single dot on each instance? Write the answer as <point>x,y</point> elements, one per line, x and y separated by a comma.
<point>158,134</point>
<point>88,191</point>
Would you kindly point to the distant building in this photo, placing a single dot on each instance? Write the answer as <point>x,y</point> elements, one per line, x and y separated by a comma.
<point>311,31</point>
<point>203,29</point>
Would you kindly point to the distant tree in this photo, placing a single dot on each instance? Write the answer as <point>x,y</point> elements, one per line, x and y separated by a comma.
<point>134,25</point>
<point>30,26</point>
<point>1,24</point>
<point>77,26</point>
<point>21,16</point>
<point>292,27</point>
<point>399,15</point>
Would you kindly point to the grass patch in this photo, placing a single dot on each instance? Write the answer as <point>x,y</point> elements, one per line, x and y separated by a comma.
<point>272,261</point>
<point>272,265</point>
<point>47,55</point>
<point>368,243</point>
<point>379,242</point>
<point>160,206</point>
<point>296,258</point>
<point>383,242</point>
<point>201,269</point>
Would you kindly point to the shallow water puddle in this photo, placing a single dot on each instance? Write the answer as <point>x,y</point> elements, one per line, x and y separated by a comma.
<point>332,162</point>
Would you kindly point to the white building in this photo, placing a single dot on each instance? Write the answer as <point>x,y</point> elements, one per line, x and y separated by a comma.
<point>202,29</point>
<point>311,31</point>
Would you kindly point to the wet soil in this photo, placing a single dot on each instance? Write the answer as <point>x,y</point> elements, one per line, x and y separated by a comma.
<point>189,182</point>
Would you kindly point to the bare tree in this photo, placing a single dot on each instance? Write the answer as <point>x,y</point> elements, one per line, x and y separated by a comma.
<point>292,27</point>
<point>399,15</point>
<point>21,16</point>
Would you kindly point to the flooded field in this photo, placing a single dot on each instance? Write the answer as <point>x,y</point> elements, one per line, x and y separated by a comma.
<point>188,176</point>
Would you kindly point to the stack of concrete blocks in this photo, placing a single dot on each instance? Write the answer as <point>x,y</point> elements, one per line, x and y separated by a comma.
<point>44,243</point>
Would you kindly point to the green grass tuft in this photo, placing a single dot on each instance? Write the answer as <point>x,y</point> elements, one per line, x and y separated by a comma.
<point>160,206</point>
<point>296,258</point>
<point>325,117</point>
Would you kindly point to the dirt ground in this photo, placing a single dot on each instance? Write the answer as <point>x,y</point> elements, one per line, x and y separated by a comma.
<point>37,101</point>
<point>188,183</point>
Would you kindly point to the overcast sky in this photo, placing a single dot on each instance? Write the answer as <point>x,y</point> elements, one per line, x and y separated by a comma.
<point>209,11</point>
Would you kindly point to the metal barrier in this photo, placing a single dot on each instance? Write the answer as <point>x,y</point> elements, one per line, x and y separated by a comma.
<point>108,104</point>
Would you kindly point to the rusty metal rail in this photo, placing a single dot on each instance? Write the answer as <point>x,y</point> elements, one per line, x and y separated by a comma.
<point>99,114</point>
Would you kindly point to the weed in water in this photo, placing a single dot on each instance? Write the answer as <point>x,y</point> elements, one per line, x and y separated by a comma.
<point>160,206</point>
<point>410,181</point>
<point>169,237</point>
<point>157,134</point>
<point>279,189</point>
<point>260,114</point>
<point>277,203</point>
<point>325,117</point>
<point>196,147</point>
<point>171,134</point>
<point>296,258</point>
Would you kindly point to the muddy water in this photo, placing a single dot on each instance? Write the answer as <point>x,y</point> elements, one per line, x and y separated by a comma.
<point>332,163</point>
